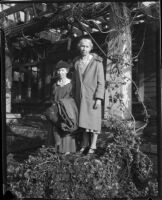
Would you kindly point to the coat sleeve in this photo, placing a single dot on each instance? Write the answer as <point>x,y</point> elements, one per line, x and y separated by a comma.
<point>100,82</point>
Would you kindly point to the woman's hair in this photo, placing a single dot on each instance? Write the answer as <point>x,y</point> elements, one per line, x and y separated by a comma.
<point>67,69</point>
<point>85,38</point>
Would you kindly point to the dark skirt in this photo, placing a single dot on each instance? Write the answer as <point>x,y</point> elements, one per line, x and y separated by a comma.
<point>63,142</point>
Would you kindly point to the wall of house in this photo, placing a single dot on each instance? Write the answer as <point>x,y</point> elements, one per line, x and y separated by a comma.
<point>151,63</point>
<point>148,69</point>
<point>145,74</point>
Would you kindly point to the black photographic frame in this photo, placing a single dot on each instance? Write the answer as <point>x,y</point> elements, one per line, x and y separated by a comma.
<point>3,104</point>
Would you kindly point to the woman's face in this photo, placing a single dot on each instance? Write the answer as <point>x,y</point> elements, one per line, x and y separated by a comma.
<point>85,46</point>
<point>62,72</point>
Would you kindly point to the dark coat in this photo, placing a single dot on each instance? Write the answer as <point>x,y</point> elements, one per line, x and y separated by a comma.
<point>68,113</point>
<point>87,88</point>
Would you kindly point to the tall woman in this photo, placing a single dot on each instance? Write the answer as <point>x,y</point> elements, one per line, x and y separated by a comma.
<point>89,92</point>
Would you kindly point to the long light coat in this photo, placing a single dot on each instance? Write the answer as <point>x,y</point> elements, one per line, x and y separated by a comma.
<point>87,88</point>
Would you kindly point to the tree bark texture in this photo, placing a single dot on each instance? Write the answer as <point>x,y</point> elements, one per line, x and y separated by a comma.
<point>118,98</point>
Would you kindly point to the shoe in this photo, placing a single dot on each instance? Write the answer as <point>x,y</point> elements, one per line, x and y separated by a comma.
<point>91,150</point>
<point>67,153</point>
<point>82,149</point>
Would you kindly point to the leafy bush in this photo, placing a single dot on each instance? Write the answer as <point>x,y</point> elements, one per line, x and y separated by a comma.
<point>118,169</point>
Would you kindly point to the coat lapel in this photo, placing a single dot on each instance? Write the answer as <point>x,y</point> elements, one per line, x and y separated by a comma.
<point>87,69</point>
<point>79,72</point>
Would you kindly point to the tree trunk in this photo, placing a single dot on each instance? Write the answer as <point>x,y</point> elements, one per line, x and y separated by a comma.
<point>118,97</point>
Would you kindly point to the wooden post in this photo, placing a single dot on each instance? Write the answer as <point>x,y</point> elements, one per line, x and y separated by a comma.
<point>27,15</point>
<point>39,82</point>
<point>8,66</point>
<point>29,82</point>
<point>3,111</point>
<point>19,88</point>
<point>118,97</point>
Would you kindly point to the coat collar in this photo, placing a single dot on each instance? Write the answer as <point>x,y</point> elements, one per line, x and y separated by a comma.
<point>83,76</point>
<point>87,68</point>
<point>94,58</point>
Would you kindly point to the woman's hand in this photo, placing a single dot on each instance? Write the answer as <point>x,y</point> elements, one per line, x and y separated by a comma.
<point>97,103</point>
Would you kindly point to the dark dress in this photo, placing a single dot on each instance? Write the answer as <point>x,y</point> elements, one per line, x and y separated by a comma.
<point>62,141</point>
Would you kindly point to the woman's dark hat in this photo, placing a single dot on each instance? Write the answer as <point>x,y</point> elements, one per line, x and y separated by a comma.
<point>62,64</point>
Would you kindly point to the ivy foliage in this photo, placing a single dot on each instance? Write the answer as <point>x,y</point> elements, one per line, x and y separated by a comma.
<point>117,169</point>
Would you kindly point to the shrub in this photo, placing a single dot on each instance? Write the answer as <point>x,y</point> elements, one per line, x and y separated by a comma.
<point>118,169</point>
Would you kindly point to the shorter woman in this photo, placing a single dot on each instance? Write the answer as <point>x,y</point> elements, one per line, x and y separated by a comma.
<point>63,106</point>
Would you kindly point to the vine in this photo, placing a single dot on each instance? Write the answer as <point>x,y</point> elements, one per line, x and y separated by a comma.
<point>119,61</point>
